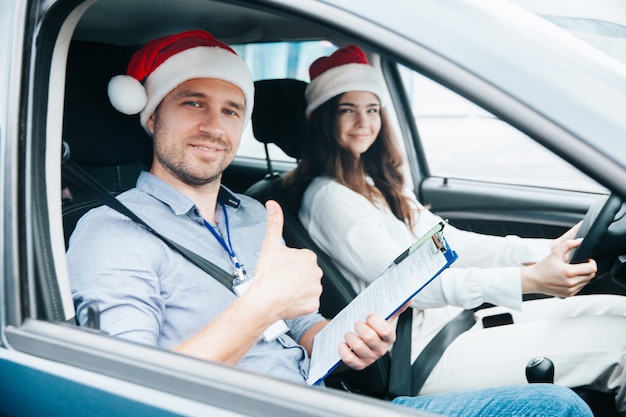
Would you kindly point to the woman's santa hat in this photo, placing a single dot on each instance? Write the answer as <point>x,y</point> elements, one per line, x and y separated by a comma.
<point>164,63</point>
<point>347,69</point>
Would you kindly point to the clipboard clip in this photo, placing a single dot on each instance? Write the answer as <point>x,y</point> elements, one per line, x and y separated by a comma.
<point>439,242</point>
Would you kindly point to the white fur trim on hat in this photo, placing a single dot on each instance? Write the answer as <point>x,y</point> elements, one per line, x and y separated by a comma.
<point>341,79</point>
<point>197,62</point>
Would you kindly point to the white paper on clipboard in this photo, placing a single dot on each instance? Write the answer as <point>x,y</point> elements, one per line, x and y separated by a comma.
<point>408,274</point>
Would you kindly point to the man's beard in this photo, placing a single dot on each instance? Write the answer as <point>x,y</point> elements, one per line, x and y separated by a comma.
<point>174,163</point>
<point>192,175</point>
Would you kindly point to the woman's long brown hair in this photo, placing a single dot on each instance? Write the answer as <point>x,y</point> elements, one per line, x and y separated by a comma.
<point>322,155</point>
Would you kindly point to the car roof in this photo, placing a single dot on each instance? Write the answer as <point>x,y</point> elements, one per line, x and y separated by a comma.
<point>133,23</point>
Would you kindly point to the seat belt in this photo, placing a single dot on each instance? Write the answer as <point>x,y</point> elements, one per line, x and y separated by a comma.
<point>429,357</point>
<point>78,177</point>
<point>400,366</point>
<point>408,380</point>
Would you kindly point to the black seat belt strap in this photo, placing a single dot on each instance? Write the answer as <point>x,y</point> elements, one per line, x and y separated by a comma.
<point>430,356</point>
<point>400,367</point>
<point>76,176</point>
<point>406,379</point>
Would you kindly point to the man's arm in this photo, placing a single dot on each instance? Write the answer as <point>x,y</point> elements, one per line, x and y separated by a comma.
<point>286,285</point>
<point>231,335</point>
<point>307,338</point>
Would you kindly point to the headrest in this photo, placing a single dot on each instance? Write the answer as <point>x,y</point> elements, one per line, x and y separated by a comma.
<point>97,134</point>
<point>279,114</point>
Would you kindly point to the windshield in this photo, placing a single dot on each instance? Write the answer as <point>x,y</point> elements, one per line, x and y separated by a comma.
<point>601,23</point>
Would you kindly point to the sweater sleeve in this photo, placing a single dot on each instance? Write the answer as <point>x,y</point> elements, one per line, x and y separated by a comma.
<point>487,270</point>
<point>470,287</point>
<point>486,251</point>
<point>362,239</point>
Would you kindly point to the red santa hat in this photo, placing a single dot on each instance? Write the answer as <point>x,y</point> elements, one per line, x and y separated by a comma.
<point>164,63</point>
<point>347,69</point>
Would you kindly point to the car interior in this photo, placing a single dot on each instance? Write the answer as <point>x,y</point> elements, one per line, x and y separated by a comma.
<point>122,150</point>
<point>112,148</point>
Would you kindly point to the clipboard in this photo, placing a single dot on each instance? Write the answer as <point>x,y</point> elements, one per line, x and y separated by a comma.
<point>406,276</point>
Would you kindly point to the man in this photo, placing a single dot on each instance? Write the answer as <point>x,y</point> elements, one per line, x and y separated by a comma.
<point>195,96</point>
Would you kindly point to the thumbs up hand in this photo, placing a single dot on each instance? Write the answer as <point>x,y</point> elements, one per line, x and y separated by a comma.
<point>287,280</point>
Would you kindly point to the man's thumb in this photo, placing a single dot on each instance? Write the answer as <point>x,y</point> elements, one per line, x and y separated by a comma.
<point>275,220</point>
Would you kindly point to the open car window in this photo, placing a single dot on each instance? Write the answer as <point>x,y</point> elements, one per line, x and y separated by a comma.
<point>463,141</point>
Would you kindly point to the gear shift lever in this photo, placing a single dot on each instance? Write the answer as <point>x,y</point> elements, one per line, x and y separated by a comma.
<point>540,370</point>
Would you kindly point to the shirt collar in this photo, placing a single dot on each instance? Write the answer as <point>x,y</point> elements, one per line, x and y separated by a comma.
<point>228,197</point>
<point>177,201</point>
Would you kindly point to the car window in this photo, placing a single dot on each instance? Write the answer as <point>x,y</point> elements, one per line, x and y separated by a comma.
<point>277,60</point>
<point>462,140</point>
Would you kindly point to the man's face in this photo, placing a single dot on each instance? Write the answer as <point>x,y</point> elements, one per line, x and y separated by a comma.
<point>197,130</point>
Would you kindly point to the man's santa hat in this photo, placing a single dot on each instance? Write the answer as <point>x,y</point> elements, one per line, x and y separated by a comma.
<point>347,69</point>
<point>164,63</point>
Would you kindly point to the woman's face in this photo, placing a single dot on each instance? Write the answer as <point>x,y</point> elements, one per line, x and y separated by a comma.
<point>358,121</point>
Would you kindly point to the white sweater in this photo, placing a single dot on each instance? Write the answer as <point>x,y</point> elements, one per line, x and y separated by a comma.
<point>363,239</point>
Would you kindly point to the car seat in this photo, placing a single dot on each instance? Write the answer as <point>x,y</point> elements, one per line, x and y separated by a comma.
<point>110,146</point>
<point>278,118</point>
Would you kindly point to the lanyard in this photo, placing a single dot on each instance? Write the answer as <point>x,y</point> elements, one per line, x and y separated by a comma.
<point>240,273</point>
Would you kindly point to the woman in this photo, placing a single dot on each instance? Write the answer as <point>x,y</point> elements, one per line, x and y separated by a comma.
<point>357,209</point>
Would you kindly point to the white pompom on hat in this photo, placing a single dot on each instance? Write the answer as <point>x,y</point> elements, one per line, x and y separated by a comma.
<point>164,63</point>
<point>346,69</point>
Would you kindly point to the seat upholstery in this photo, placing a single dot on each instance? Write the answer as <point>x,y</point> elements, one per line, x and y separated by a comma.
<point>279,118</point>
<point>110,146</point>
<point>95,131</point>
<point>279,114</point>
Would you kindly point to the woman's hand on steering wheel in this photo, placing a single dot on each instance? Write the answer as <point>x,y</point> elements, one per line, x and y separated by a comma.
<point>569,235</point>
<point>554,275</point>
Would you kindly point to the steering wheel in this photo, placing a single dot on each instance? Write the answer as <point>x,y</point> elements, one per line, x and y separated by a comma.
<point>604,231</point>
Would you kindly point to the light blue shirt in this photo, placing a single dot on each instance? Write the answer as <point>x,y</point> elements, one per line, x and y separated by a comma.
<point>148,293</point>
